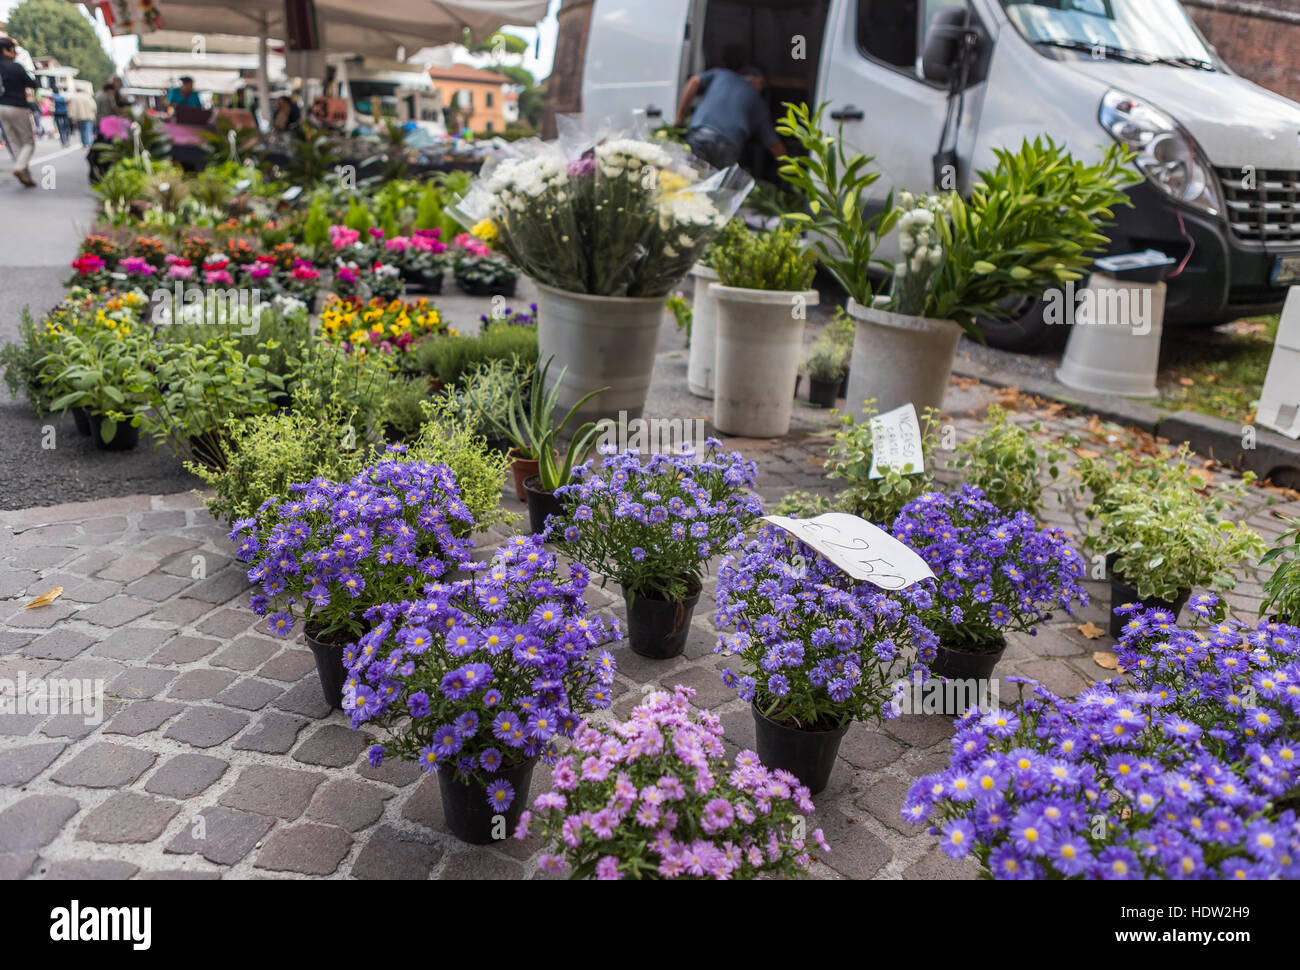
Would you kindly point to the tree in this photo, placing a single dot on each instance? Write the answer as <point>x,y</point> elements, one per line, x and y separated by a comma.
<point>497,43</point>
<point>56,28</point>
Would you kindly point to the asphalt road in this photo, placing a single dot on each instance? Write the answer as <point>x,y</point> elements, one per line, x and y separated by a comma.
<point>39,232</point>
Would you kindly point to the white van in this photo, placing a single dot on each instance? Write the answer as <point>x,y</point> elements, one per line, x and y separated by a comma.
<point>1220,155</point>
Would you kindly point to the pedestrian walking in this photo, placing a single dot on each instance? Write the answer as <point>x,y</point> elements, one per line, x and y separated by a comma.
<point>61,122</point>
<point>81,114</point>
<point>14,113</point>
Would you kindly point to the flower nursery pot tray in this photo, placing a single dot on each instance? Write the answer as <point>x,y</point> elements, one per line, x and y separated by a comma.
<point>329,666</point>
<point>807,754</point>
<point>124,439</point>
<point>540,504</point>
<point>658,628</point>
<point>465,806</point>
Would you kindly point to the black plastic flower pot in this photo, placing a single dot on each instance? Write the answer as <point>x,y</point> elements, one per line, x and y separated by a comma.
<point>504,288</point>
<point>469,815</point>
<point>823,393</point>
<point>808,755</point>
<point>81,419</point>
<point>658,628</point>
<point>430,283</point>
<point>1121,593</point>
<point>329,668</point>
<point>844,385</point>
<point>540,505</point>
<point>124,439</point>
<point>974,662</point>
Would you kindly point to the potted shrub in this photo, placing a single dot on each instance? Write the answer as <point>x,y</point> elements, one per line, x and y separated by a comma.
<point>827,363</point>
<point>1031,223</point>
<point>479,271</point>
<point>998,573</point>
<point>652,527</point>
<point>333,550</point>
<point>534,436</point>
<point>1163,778</point>
<point>606,237</point>
<point>1282,588</point>
<point>1006,463</point>
<point>762,297</point>
<point>816,649</point>
<point>481,678</point>
<point>109,374</point>
<point>664,771</point>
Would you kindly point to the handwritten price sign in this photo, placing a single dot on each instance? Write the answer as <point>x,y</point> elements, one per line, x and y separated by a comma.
<point>896,442</point>
<point>858,548</point>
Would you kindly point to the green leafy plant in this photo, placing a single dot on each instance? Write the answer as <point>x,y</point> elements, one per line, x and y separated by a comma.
<point>533,430</point>
<point>1031,223</point>
<point>108,374</point>
<point>483,402</point>
<point>834,184</point>
<point>451,359</point>
<point>1282,589</point>
<point>879,500</point>
<point>1007,463</point>
<point>827,360</point>
<point>21,363</point>
<point>683,312</point>
<point>775,260</point>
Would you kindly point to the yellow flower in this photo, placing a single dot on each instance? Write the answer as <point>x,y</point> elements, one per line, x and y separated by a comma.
<point>485,229</point>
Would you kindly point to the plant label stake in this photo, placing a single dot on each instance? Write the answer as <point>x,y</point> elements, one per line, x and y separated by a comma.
<point>858,548</point>
<point>1279,406</point>
<point>896,442</point>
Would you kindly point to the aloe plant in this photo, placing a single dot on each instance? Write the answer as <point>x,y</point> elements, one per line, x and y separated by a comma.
<point>531,428</point>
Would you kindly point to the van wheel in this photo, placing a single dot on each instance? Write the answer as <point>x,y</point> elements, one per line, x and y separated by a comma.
<point>1025,332</point>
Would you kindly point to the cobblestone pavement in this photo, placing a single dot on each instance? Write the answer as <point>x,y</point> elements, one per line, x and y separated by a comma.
<point>217,756</point>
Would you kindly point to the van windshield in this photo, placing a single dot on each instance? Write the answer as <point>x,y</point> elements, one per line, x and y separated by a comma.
<point>1141,31</point>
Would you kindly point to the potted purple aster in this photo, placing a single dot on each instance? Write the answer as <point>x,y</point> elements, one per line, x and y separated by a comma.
<point>653,797</point>
<point>652,527</point>
<point>1184,773</point>
<point>481,678</point>
<point>816,649</point>
<point>334,550</point>
<point>997,573</point>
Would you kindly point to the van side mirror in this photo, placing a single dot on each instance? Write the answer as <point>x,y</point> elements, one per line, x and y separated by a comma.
<point>944,44</point>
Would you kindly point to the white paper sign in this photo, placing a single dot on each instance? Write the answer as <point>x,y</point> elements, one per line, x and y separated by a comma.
<point>857,547</point>
<point>896,442</point>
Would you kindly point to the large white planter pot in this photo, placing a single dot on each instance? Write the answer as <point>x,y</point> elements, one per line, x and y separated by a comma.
<point>1114,345</point>
<point>760,346</point>
<point>704,343</point>
<point>599,341</point>
<point>899,359</point>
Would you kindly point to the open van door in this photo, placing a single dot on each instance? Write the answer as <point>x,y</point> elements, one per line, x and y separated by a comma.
<point>636,53</point>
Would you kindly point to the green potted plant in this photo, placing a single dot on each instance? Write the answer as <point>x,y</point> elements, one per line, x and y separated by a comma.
<point>827,363</point>
<point>532,430</point>
<point>110,375</point>
<point>1282,589</point>
<point>763,294</point>
<point>1006,463</point>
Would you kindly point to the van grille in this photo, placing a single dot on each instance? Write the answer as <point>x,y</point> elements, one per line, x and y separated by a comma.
<point>1263,206</point>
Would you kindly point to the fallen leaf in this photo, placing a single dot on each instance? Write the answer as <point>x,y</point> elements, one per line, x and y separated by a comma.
<point>45,599</point>
<point>1106,660</point>
<point>1087,453</point>
<point>1091,630</point>
<point>1186,382</point>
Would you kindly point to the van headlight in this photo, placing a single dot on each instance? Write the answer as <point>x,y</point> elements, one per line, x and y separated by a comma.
<point>1166,154</point>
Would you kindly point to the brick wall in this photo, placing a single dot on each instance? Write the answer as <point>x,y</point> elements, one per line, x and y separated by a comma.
<point>1264,50</point>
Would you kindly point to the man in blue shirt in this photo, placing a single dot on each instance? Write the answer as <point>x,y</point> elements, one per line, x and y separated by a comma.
<point>185,96</point>
<point>730,112</point>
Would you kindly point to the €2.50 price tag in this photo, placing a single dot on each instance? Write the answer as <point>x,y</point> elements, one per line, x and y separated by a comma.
<point>858,548</point>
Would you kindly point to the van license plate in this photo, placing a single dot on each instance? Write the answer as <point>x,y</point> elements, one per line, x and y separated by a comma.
<point>1286,271</point>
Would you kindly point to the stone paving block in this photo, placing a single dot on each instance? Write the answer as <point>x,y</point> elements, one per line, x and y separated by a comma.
<point>935,865</point>
<point>158,521</point>
<point>106,525</point>
<point>19,765</point>
<point>58,644</point>
<point>351,805</point>
<point>225,835</point>
<point>172,875</point>
<point>131,643</point>
<point>186,775</point>
<point>423,804</point>
<point>865,747</point>
<point>390,854</point>
<point>245,653</point>
<point>48,557</point>
<point>184,650</point>
<point>855,851</point>
<point>104,765</point>
<point>883,799</point>
<point>128,817</point>
<point>90,668</point>
<point>16,865</point>
<point>162,546</point>
<point>1055,676</point>
<point>920,730</point>
<point>249,694</point>
<point>180,611</point>
<point>140,682</point>
<point>221,586</point>
<point>228,623</point>
<point>127,569</point>
<point>141,717</point>
<point>393,771</point>
<point>19,725</point>
<point>314,850</point>
<point>87,870</point>
<point>206,727</point>
<point>156,587</point>
<point>710,692</point>
<point>267,790</point>
<point>738,729</point>
<point>288,665</point>
<point>332,746</point>
<point>81,590</point>
<point>33,822</point>
<point>479,864</point>
<point>271,734</point>
<point>17,582</point>
<point>200,685</point>
<point>11,640</point>
<point>42,617</point>
<point>305,698</point>
<point>71,726</point>
<point>92,562</point>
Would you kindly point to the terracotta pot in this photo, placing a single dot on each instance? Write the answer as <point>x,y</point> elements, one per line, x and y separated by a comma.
<point>520,470</point>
